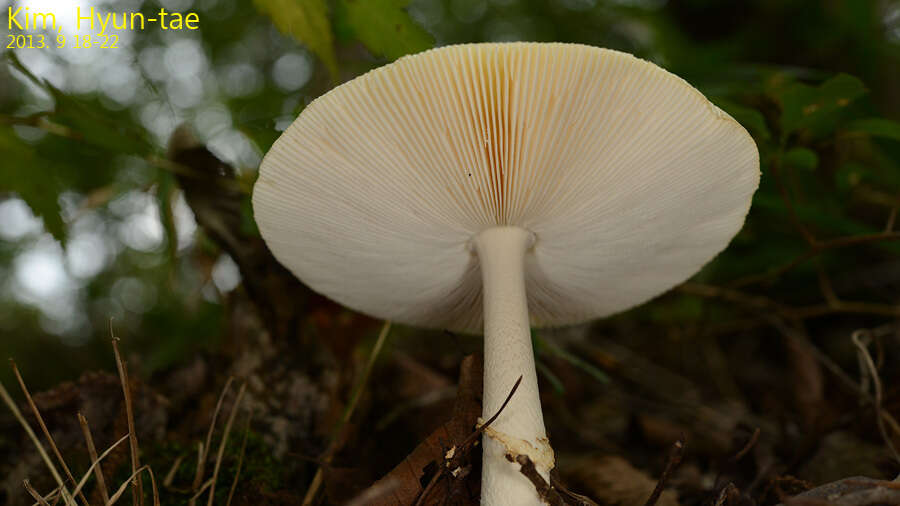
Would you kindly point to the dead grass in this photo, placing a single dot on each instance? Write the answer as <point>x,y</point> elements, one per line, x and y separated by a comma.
<point>68,489</point>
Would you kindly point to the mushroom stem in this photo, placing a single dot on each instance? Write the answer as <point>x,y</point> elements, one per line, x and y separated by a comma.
<point>508,354</point>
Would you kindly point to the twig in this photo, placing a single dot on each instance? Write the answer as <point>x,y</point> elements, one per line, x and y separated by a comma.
<point>204,448</point>
<point>481,428</point>
<point>137,491</point>
<point>201,491</point>
<point>578,499</point>
<point>892,218</point>
<point>769,305</point>
<point>815,249</point>
<point>240,464</point>
<point>348,413</point>
<point>675,456</point>
<point>545,491</point>
<point>747,447</point>
<point>170,476</point>
<point>431,483</point>
<point>775,168</point>
<point>373,356</point>
<point>224,442</point>
<point>34,493</point>
<point>132,479</point>
<point>727,494</point>
<point>92,452</point>
<point>54,494</point>
<point>856,337</point>
<point>43,426</point>
<point>94,465</point>
<point>825,287</point>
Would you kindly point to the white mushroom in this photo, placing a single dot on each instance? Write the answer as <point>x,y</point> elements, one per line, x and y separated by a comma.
<point>503,186</point>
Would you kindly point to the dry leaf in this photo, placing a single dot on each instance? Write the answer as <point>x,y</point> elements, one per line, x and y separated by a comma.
<point>612,480</point>
<point>403,485</point>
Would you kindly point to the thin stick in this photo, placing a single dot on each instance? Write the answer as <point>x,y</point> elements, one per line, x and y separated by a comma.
<point>92,452</point>
<point>204,448</point>
<point>87,475</point>
<point>202,490</point>
<point>892,218</point>
<point>577,499</point>
<point>348,413</point>
<point>34,493</point>
<point>856,337</point>
<point>137,492</point>
<point>224,442</point>
<point>240,464</point>
<point>170,476</point>
<point>785,196</point>
<point>373,356</point>
<point>431,484</point>
<point>754,438</point>
<point>485,425</point>
<point>53,494</point>
<point>675,456</point>
<point>814,250</point>
<point>67,498</point>
<point>131,479</point>
<point>544,490</point>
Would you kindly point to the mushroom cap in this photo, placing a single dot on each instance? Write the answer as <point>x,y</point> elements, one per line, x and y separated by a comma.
<point>628,177</point>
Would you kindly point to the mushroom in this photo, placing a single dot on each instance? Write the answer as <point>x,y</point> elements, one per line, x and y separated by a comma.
<point>497,187</point>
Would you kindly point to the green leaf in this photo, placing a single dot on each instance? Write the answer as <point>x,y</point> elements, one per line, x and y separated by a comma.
<point>307,21</point>
<point>750,118</point>
<point>849,175</point>
<point>680,309</point>
<point>40,190</point>
<point>876,127</point>
<point>86,119</point>
<point>248,224</point>
<point>384,26</point>
<point>92,123</point>
<point>801,158</point>
<point>816,108</point>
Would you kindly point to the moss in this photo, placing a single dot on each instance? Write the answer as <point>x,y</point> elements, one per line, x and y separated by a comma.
<point>260,471</point>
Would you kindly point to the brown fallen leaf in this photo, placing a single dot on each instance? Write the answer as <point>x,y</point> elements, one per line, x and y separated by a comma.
<point>403,485</point>
<point>613,480</point>
<point>855,491</point>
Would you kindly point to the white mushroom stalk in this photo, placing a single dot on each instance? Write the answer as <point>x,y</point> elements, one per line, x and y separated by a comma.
<point>497,187</point>
<point>508,355</point>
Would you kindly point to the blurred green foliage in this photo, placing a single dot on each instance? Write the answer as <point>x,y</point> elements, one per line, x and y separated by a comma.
<point>83,144</point>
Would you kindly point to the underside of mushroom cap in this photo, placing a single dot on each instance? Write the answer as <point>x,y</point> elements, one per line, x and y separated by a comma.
<point>629,179</point>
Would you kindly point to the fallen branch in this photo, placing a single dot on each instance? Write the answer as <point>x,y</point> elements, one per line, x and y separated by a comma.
<point>545,491</point>
<point>675,456</point>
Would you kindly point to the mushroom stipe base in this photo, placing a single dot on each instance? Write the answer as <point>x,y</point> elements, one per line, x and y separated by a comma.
<point>508,354</point>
